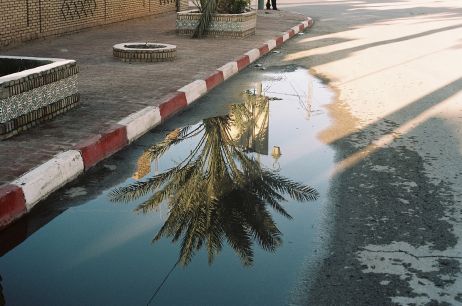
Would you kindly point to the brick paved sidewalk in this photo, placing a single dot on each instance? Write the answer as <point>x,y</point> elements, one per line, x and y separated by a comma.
<point>111,89</point>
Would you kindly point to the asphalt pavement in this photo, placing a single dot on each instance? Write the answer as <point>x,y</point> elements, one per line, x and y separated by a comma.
<point>396,193</point>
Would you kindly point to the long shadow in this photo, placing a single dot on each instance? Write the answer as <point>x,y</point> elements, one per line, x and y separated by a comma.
<point>378,129</point>
<point>324,58</point>
<point>384,194</point>
<point>407,61</point>
<point>356,15</point>
<point>386,197</point>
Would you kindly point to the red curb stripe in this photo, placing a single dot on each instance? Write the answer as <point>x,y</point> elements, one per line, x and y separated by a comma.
<point>99,147</point>
<point>279,41</point>
<point>172,104</point>
<point>243,62</point>
<point>263,50</point>
<point>12,204</point>
<point>214,79</point>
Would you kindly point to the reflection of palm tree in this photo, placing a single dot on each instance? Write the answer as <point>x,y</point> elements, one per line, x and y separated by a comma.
<point>216,193</point>
<point>143,166</point>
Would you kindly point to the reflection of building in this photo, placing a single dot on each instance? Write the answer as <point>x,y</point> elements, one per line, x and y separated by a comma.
<point>251,130</point>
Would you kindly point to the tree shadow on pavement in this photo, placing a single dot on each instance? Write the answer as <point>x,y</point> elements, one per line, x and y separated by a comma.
<point>333,20</point>
<point>392,222</point>
<point>393,232</point>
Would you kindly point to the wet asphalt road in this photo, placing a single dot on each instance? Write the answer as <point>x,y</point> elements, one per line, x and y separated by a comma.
<point>386,200</point>
<point>395,198</point>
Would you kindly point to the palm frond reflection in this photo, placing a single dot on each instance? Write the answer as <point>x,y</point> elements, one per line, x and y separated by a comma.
<point>219,192</point>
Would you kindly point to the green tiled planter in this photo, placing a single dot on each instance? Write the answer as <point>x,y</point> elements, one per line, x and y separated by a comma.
<point>222,25</point>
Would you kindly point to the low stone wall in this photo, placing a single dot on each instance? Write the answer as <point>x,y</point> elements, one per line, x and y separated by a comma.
<point>222,25</point>
<point>29,19</point>
<point>37,94</point>
<point>144,52</point>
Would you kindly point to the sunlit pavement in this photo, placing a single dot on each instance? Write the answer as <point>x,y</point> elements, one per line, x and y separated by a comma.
<point>397,187</point>
<point>396,191</point>
<point>111,90</point>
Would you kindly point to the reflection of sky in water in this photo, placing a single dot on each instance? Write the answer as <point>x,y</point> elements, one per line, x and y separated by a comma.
<point>100,252</point>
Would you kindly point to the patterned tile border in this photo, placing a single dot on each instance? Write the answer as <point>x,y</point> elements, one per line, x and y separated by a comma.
<point>34,117</point>
<point>34,95</point>
<point>21,195</point>
<point>222,25</point>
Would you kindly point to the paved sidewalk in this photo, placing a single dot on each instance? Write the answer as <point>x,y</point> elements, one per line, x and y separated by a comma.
<point>111,90</point>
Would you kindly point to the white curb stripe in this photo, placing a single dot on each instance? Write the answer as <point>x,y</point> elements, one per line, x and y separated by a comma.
<point>271,44</point>
<point>296,29</point>
<point>40,182</point>
<point>194,90</point>
<point>140,122</point>
<point>253,54</point>
<point>64,167</point>
<point>229,70</point>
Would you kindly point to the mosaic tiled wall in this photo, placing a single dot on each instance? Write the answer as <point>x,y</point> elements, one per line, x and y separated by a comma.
<point>241,25</point>
<point>35,95</point>
<point>36,98</point>
<point>29,19</point>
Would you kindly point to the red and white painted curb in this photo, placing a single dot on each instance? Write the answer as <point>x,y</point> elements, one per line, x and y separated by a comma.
<point>21,195</point>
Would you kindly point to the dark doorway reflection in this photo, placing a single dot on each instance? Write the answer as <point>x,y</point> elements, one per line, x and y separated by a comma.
<point>219,193</point>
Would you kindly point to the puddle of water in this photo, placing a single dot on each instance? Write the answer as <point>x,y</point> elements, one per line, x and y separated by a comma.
<point>234,156</point>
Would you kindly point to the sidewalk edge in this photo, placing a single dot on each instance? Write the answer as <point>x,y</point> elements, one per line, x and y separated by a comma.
<point>18,197</point>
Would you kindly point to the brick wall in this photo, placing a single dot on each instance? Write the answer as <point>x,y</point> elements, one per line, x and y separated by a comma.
<point>22,20</point>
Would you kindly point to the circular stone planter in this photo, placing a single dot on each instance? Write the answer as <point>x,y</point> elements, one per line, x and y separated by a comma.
<point>144,52</point>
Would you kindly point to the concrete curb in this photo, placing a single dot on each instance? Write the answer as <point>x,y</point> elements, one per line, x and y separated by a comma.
<point>20,196</point>
<point>38,183</point>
